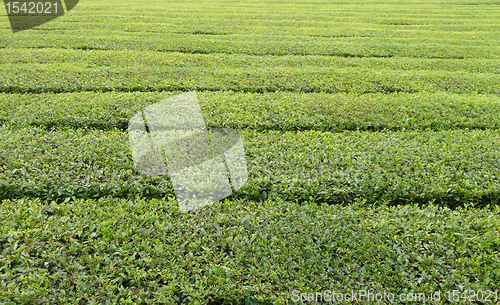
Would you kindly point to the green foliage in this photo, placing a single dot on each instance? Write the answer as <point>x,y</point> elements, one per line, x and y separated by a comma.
<point>448,167</point>
<point>283,111</point>
<point>444,29</point>
<point>46,70</point>
<point>71,164</point>
<point>364,121</point>
<point>110,251</point>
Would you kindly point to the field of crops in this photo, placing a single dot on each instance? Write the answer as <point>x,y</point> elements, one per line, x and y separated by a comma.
<point>372,137</point>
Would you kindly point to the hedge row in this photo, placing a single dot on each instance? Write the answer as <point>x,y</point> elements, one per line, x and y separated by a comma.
<point>66,164</point>
<point>387,19</point>
<point>111,251</point>
<point>78,76</point>
<point>238,62</point>
<point>283,111</point>
<point>257,45</point>
<point>342,29</point>
<point>450,167</point>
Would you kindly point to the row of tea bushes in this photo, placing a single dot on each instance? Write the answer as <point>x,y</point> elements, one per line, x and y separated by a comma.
<point>72,77</point>
<point>110,251</point>
<point>285,111</point>
<point>238,62</point>
<point>445,41</point>
<point>448,167</point>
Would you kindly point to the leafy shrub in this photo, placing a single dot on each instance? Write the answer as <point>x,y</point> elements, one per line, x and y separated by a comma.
<point>448,167</point>
<point>72,71</point>
<point>285,111</point>
<point>147,252</point>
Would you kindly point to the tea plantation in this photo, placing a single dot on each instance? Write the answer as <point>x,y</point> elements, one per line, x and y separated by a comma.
<point>371,131</point>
